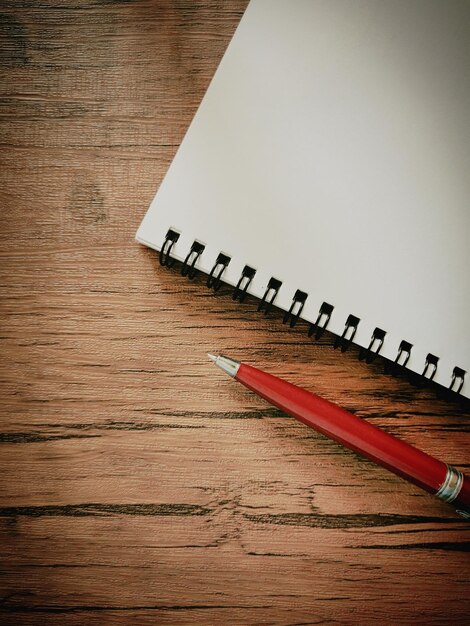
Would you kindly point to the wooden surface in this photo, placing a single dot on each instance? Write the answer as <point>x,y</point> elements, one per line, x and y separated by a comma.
<point>139,485</point>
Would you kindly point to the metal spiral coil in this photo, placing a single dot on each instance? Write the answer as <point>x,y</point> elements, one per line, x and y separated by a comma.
<point>170,240</point>
<point>240,291</point>
<point>292,316</point>
<point>349,331</point>
<point>320,324</point>
<point>457,375</point>
<point>377,341</point>
<point>214,280</point>
<point>189,265</point>
<point>399,364</point>
<point>430,367</point>
<point>270,294</point>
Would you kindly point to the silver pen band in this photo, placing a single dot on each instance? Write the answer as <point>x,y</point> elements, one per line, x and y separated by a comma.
<point>451,486</point>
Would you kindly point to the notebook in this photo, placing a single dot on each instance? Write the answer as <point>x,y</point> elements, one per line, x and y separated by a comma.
<point>327,172</point>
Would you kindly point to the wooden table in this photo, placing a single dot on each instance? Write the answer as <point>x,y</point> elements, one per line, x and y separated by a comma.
<point>139,485</point>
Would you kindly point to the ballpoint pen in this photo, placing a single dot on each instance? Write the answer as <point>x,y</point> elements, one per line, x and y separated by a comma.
<point>436,477</point>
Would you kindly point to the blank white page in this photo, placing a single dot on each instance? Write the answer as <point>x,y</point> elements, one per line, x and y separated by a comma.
<point>331,151</point>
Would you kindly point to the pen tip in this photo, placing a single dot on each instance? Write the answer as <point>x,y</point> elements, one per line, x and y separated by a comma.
<point>212,357</point>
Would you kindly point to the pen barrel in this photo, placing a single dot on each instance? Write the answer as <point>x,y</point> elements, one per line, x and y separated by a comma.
<point>360,436</point>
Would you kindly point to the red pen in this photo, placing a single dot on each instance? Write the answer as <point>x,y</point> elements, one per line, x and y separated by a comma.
<point>432,475</point>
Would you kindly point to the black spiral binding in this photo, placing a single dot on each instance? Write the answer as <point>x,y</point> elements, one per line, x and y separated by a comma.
<point>239,293</point>
<point>404,349</point>
<point>375,345</point>
<point>269,295</point>
<point>399,364</point>
<point>457,375</point>
<point>430,367</point>
<point>349,331</point>
<point>320,324</point>
<point>189,265</point>
<point>170,240</point>
<point>293,314</point>
<point>214,281</point>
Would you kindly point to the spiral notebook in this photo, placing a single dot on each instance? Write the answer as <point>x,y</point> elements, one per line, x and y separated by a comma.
<point>327,172</point>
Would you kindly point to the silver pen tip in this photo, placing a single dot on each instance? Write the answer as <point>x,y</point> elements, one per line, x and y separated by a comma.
<point>229,366</point>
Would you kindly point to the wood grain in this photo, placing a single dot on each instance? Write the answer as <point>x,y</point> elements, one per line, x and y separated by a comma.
<point>138,484</point>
